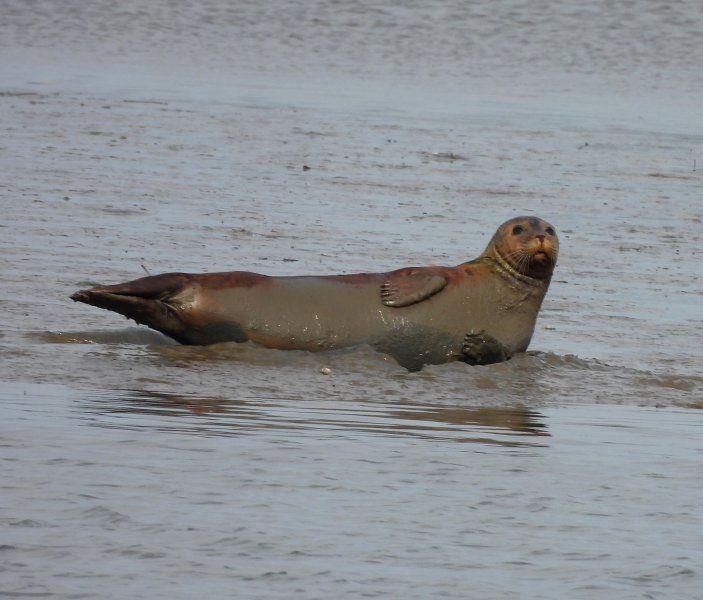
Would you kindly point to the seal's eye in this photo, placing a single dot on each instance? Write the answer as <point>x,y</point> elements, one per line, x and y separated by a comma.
<point>518,229</point>
<point>550,230</point>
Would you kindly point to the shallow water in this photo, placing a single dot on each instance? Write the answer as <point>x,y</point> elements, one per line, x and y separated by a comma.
<point>146,494</point>
<point>174,137</point>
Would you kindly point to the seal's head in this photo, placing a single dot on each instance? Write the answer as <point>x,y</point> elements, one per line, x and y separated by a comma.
<point>525,246</point>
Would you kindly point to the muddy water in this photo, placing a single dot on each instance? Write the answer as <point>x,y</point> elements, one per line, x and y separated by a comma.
<point>338,139</point>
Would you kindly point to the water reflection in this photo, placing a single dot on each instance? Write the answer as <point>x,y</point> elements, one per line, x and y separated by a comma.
<point>139,410</point>
<point>130,335</point>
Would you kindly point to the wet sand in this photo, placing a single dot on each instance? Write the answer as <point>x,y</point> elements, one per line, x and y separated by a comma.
<point>148,139</point>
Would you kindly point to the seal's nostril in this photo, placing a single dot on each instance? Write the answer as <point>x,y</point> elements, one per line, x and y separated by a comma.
<point>540,237</point>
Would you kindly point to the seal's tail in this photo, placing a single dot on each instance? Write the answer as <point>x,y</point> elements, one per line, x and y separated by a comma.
<point>147,301</point>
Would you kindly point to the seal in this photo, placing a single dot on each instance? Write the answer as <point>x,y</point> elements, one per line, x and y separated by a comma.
<point>482,311</point>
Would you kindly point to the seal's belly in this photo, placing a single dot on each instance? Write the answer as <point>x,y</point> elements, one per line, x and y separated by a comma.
<point>311,313</point>
<point>320,313</point>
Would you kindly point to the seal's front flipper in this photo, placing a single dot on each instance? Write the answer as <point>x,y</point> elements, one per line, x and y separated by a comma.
<point>409,286</point>
<point>480,348</point>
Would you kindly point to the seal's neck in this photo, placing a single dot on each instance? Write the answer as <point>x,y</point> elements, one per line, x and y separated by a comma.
<point>504,268</point>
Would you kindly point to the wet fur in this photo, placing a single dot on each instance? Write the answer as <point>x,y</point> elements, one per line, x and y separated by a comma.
<point>419,315</point>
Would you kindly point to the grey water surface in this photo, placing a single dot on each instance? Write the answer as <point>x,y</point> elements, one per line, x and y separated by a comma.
<point>339,137</point>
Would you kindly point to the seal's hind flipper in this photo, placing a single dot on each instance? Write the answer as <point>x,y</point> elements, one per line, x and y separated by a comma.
<point>410,286</point>
<point>144,300</point>
<point>153,287</point>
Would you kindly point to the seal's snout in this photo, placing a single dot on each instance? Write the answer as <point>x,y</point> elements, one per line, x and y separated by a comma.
<point>539,245</point>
